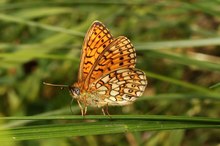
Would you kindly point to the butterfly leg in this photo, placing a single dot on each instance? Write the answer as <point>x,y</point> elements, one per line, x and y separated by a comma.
<point>85,110</point>
<point>105,110</point>
<point>81,108</point>
<point>71,106</point>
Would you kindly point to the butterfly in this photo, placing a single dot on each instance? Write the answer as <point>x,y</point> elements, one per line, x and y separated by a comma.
<point>107,75</point>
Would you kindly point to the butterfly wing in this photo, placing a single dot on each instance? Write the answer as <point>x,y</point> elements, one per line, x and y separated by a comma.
<point>96,40</point>
<point>121,87</point>
<point>108,67</point>
<point>119,54</point>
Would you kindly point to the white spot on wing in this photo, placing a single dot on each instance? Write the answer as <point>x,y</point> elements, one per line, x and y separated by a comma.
<point>131,50</point>
<point>112,98</point>
<point>121,70</point>
<point>121,82</point>
<point>142,77</point>
<point>108,101</point>
<point>133,98</point>
<point>142,88</point>
<point>113,79</point>
<point>127,78</point>
<point>139,93</point>
<point>114,86</point>
<point>124,96</point>
<point>126,90</point>
<point>103,88</point>
<point>132,55</point>
<point>125,73</point>
<point>105,79</point>
<point>117,89</point>
<point>143,82</point>
<point>102,92</point>
<point>114,93</point>
<point>98,85</point>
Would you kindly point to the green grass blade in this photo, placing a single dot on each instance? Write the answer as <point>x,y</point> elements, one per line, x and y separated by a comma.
<point>187,60</point>
<point>9,18</point>
<point>178,44</point>
<point>182,83</point>
<point>175,96</point>
<point>107,125</point>
<point>118,117</point>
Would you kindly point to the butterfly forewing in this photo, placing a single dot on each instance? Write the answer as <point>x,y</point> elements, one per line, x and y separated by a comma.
<point>121,87</point>
<point>96,40</point>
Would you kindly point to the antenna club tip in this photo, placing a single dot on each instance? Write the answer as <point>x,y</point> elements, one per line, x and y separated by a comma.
<point>45,83</point>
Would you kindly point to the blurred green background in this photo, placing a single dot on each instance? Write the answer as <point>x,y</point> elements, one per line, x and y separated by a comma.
<point>177,44</point>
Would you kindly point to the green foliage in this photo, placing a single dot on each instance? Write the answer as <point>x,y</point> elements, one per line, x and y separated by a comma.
<point>104,125</point>
<point>177,44</point>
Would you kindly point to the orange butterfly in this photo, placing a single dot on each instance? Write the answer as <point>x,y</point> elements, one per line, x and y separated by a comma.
<point>107,74</point>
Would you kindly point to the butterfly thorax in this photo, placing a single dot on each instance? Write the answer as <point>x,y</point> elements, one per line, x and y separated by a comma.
<point>86,97</point>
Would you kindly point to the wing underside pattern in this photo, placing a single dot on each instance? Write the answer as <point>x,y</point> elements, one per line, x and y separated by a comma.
<point>121,87</point>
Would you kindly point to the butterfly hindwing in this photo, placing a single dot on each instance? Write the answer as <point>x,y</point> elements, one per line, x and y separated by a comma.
<point>121,87</point>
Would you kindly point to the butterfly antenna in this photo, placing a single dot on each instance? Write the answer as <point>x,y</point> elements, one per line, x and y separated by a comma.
<point>71,106</point>
<point>56,85</point>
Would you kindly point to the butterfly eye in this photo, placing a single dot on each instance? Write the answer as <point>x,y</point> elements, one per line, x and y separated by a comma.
<point>76,91</point>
